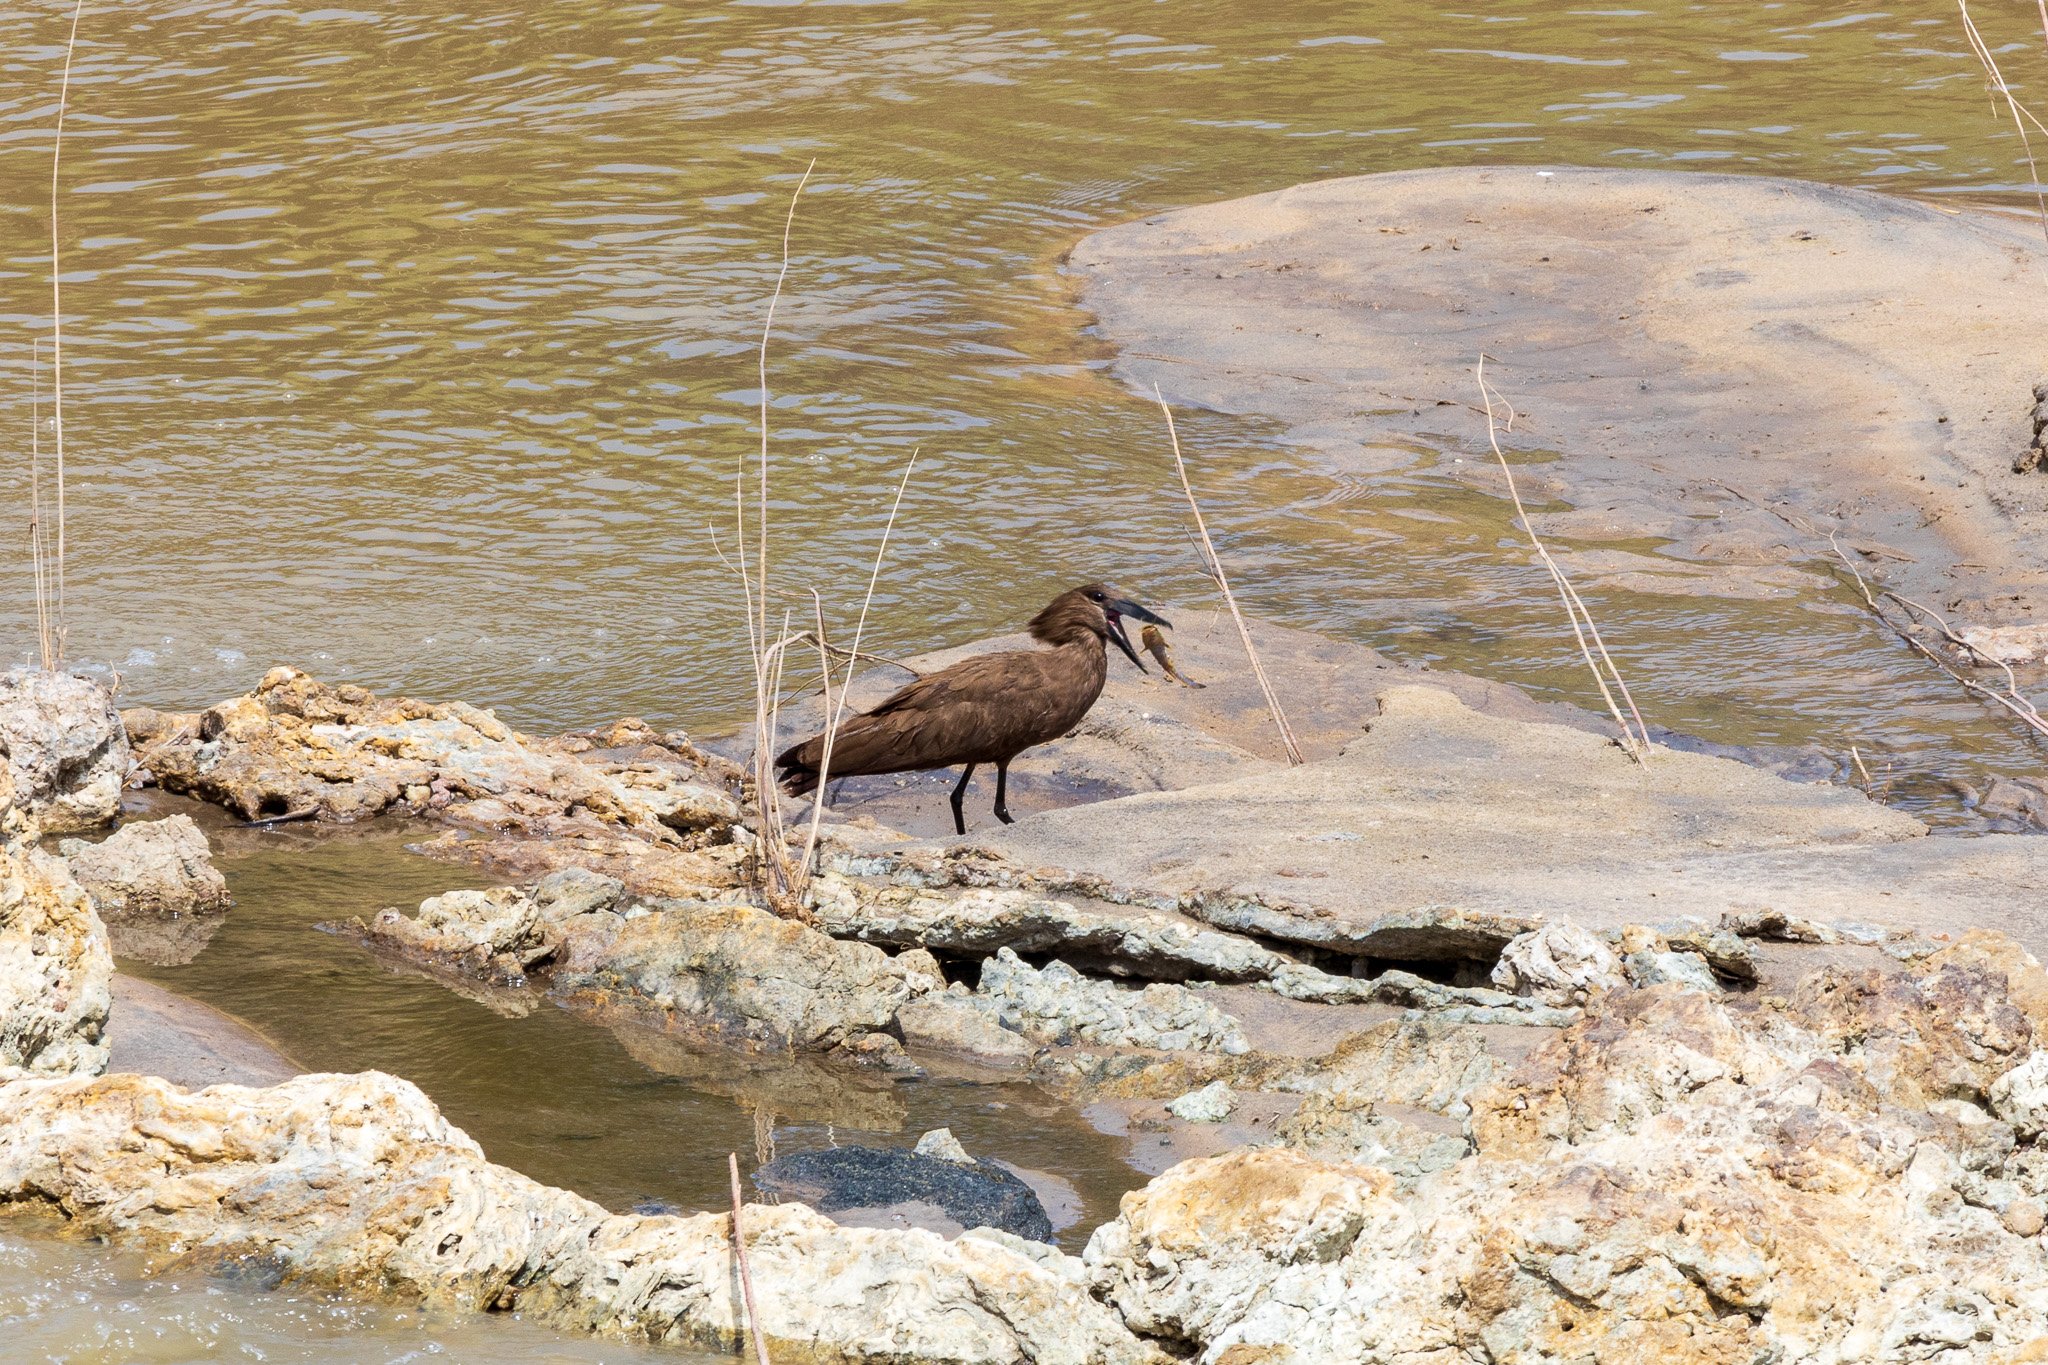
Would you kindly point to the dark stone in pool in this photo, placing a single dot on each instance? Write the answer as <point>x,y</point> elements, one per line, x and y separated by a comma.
<point>975,1194</point>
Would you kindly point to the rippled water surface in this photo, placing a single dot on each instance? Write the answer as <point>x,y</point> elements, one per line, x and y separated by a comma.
<point>414,344</point>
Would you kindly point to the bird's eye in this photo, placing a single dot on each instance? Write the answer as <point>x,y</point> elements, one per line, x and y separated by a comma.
<point>1094,597</point>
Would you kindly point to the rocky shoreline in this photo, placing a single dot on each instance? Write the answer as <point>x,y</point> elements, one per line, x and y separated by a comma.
<point>1388,1131</point>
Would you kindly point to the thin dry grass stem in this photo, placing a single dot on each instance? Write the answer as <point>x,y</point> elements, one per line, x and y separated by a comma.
<point>739,1252</point>
<point>38,552</point>
<point>1212,565</point>
<point>1635,735</point>
<point>53,646</point>
<point>2021,115</point>
<point>781,880</point>
<point>2010,700</point>
<point>835,711</point>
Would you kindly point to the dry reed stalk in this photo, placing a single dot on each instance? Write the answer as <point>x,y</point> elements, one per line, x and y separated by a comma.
<point>2010,700</point>
<point>38,553</point>
<point>781,881</point>
<point>2021,115</point>
<point>739,1251</point>
<point>834,712</point>
<point>1635,738</point>
<point>52,636</point>
<point>1213,567</point>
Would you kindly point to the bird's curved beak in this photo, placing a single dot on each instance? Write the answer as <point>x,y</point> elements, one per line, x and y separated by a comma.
<point>1117,608</point>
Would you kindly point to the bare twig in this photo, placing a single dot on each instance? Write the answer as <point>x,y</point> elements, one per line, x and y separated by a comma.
<point>835,710</point>
<point>2009,700</point>
<point>1635,738</point>
<point>1213,566</point>
<point>781,881</point>
<point>2021,115</point>
<point>739,1251</point>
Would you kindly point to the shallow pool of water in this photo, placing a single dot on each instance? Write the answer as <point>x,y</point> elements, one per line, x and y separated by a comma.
<point>414,345</point>
<point>625,1115</point>
<point>64,1302</point>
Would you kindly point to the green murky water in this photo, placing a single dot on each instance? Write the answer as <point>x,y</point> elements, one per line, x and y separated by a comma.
<point>623,1114</point>
<point>414,345</point>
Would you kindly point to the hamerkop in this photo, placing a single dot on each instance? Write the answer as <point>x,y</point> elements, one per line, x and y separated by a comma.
<point>987,709</point>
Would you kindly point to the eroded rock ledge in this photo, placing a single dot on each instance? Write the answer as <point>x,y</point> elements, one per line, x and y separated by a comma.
<point>358,1184</point>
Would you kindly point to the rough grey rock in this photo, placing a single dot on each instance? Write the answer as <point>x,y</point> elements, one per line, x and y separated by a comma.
<point>736,970</point>
<point>1426,933</point>
<point>1346,1126</point>
<point>978,921</point>
<point>1059,1005</point>
<point>1727,953</point>
<point>151,867</point>
<point>950,1023</point>
<point>294,745</point>
<point>1678,1177</point>
<point>358,1184</point>
<point>941,1145</point>
<point>56,971</point>
<point>65,747</point>
<point>1213,1103</point>
<point>1418,1060</point>
<point>718,966</point>
<point>1561,963</point>
<point>1651,964</point>
<point>1467,1004</point>
<point>2020,1096</point>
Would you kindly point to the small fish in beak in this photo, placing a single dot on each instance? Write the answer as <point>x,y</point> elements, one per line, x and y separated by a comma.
<point>1115,609</point>
<point>1155,644</point>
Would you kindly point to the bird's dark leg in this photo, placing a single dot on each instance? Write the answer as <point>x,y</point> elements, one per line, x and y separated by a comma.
<point>959,795</point>
<point>1002,786</point>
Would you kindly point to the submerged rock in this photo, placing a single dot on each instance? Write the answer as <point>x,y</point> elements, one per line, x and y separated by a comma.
<point>149,868</point>
<point>56,972</point>
<point>66,749</point>
<point>359,1184</point>
<point>971,1193</point>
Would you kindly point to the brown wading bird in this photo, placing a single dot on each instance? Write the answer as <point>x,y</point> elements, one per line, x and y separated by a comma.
<point>987,709</point>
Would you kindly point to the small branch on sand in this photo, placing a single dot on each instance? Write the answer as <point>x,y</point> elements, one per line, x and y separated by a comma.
<point>2010,700</point>
<point>739,1251</point>
<point>1213,567</point>
<point>1635,736</point>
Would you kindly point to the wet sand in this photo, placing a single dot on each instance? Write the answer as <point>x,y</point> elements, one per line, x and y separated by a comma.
<point>1735,366</point>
